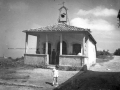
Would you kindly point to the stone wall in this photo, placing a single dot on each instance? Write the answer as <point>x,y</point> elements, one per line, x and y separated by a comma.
<point>36,59</point>
<point>71,60</point>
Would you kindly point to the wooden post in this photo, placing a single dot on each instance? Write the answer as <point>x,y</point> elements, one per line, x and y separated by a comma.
<point>46,44</point>
<point>61,44</point>
<point>26,43</point>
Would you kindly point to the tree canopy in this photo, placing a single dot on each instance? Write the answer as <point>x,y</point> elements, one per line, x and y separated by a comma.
<point>117,52</point>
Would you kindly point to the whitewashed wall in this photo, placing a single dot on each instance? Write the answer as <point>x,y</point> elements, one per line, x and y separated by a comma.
<point>91,53</point>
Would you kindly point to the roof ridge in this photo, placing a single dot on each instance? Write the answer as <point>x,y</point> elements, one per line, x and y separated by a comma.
<point>57,27</point>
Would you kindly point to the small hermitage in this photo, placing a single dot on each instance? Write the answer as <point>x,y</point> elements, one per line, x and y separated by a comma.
<point>61,44</point>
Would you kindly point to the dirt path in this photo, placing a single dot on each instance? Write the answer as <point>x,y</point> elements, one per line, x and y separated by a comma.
<point>110,66</point>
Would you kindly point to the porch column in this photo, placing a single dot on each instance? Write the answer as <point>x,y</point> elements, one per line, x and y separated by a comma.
<point>26,43</point>
<point>46,52</point>
<point>61,44</point>
<point>38,42</point>
<point>83,45</point>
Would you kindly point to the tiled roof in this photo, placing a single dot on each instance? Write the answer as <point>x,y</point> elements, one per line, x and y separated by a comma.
<point>58,27</point>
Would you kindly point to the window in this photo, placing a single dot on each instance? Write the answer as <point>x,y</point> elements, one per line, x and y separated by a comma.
<point>76,49</point>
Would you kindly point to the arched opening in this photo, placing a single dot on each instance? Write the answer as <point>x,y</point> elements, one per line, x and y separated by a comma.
<point>64,50</point>
<point>64,47</point>
<point>76,49</point>
<point>49,48</point>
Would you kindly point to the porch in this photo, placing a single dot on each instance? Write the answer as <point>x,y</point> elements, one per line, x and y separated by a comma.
<point>68,42</point>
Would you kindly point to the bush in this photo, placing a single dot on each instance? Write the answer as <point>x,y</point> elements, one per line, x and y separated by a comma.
<point>10,58</point>
<point>102,53</point>
<point>117,52</point>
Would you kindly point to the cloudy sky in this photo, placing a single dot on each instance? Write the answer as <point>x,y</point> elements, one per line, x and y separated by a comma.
<point>18,15</point>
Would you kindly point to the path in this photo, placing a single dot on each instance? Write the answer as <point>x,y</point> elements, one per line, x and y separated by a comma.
<point>110,66</point>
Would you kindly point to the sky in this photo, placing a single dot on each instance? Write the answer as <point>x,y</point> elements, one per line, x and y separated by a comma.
<point>100,16</point>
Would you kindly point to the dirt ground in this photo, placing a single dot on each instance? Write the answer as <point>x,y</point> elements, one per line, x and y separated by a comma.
<point>101,76</point>
<point>28,78</point>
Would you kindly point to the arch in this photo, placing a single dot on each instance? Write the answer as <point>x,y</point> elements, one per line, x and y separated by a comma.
<point>49,48</point>
<point>64,47</point>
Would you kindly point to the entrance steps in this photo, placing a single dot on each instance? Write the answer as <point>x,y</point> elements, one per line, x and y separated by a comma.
<point>50,66</point>
<point>68,68</point>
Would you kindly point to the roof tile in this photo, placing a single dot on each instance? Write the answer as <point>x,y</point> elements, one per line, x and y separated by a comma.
<point>58,27</point>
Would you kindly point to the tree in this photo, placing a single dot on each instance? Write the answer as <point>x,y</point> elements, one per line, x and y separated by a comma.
<point>103,52</point>
<point>117,52</point>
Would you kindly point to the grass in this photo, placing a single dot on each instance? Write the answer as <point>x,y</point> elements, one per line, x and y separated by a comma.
<point>10,63</point>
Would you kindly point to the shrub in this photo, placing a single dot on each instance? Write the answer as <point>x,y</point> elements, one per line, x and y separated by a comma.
<point>99,53</point>
<point>9,57</point>
<point>117,52</point>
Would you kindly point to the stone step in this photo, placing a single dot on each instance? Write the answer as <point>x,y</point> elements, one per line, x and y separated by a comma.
<point>51,66</point>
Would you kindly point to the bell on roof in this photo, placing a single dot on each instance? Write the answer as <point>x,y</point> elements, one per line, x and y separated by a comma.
<point>63,14</point>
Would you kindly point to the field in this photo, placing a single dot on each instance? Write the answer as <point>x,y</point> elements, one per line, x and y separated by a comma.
<point>105,75</point>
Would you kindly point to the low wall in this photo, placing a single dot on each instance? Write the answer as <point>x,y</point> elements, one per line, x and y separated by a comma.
<point>36,59</point>
<point>71,60</point>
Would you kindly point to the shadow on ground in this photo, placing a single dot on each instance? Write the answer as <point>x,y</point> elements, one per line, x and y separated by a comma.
<point>92,80</point>
<point>49,83</point>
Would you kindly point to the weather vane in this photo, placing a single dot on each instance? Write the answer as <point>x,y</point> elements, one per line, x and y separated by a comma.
<point>63,3</point>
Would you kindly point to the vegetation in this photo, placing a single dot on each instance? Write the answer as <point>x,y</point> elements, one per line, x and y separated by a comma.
<point>10,62</point>
<point>99,53</point>
<point>104,56</point>
<point>117,52</point>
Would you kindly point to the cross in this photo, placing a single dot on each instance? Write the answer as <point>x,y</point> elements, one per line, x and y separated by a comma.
<point>62,3</point>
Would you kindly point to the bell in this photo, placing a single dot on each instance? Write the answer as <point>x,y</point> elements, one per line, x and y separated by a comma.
<point>62,15</point>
